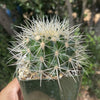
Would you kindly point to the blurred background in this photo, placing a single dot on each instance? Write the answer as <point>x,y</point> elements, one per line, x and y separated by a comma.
<point>87,12</point>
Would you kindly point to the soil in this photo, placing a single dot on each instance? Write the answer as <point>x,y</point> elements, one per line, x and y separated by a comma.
<point>84,95</point>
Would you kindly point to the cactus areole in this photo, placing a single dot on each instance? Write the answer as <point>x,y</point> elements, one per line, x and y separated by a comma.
<point>48,49</point>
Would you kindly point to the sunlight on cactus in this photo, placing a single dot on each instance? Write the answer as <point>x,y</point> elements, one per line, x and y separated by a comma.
<point>48,49</point>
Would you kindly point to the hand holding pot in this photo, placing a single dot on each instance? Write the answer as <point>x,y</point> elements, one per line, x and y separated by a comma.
<point>11,91</point>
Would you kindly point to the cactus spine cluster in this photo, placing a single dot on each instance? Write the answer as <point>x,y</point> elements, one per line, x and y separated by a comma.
<point>48,49</point>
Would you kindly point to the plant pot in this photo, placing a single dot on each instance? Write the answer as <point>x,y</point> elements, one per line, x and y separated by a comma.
<point>50,89</point>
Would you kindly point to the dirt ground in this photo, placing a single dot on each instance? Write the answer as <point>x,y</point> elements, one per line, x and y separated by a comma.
<point>84,95</point>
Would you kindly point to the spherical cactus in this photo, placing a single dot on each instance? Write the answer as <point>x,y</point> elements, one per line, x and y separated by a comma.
<point>48,49</point>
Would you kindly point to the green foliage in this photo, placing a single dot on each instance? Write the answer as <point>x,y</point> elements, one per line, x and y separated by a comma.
<point>6,72</point>
<point>43,7</point>
<point>91,78</point>
<point>94,46</point>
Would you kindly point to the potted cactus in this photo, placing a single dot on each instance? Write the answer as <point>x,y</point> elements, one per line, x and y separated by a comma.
<point>50,59</point>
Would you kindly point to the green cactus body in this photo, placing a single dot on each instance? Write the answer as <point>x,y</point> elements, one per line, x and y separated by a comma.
<point>48,50</point>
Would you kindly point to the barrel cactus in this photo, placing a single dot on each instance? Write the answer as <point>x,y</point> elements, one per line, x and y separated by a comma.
<point>48,49</point>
